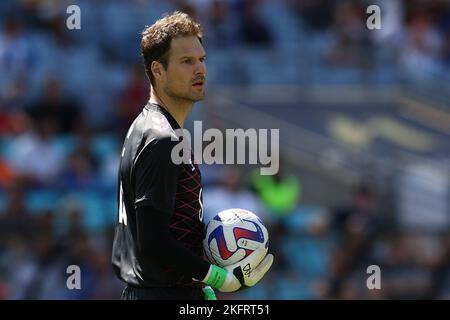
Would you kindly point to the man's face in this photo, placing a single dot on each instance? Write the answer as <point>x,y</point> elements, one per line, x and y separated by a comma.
<point>185,77</point>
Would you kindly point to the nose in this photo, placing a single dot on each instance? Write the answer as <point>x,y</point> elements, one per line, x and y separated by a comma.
<point>200,68</point>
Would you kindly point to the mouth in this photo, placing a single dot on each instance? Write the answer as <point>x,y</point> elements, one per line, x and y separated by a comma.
<point>199,84</point>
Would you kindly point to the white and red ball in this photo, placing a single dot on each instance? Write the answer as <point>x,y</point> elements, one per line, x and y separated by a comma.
<point>232,235</point>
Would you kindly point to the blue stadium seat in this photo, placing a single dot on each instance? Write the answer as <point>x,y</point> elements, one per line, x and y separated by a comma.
<point>5,148</point>
<point>104,145</point>
<point>38,201</point>
<point>93,209</point>
<point>290,288</point>
<point>3,202</point>
<point>81,65</point>
<point>285,28</point>
<point>66,144</point>
<point>48,61</point>
<point>110,207</point>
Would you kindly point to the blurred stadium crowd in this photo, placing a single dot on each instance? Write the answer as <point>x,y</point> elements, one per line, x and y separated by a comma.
<point>67,97</point>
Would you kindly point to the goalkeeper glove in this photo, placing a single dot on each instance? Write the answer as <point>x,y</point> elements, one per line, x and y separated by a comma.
<point>245,273</point>
<point>209,293</point>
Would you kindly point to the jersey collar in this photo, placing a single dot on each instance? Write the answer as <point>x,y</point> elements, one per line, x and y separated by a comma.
<point>153,106</point>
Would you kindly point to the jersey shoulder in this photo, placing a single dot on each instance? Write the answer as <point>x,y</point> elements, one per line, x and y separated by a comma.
<point>151,134</point>
<point>153,125</point>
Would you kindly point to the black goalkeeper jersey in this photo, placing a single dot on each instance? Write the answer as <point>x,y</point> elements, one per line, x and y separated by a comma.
<point>154,196</point>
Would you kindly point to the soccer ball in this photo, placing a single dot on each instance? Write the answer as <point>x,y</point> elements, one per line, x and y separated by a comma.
<point>232,235</point>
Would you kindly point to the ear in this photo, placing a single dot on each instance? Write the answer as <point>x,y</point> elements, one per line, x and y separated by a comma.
<point>157,70</point>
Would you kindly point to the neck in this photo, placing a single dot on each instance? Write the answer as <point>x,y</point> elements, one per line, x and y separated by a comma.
<point>178,108</point>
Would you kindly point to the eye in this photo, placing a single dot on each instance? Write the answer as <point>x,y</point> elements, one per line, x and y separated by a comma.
<point>202,59</point>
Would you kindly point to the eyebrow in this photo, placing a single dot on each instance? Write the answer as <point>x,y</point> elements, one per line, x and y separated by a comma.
<point>190,57</point>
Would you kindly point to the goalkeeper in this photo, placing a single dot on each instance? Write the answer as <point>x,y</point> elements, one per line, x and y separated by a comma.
<point>157,249</point>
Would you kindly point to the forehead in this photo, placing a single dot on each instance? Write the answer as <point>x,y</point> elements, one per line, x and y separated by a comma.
<point>186,46</point>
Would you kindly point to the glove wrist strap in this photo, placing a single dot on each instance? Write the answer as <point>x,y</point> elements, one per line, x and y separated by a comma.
<point>217,277</point>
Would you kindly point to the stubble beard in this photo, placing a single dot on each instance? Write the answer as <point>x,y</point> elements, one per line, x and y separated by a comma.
<point>187,96</point>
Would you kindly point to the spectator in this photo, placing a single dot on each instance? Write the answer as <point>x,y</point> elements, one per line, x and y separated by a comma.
<point>253,30</point>
<point>7,175</point>
<point>423,49</point>
<point>46,281</point>
<point>16,262</point>
<point>35,157</point>
<point>132,97</point>
<point>13,119</point>
<point>16,219</point>
<point>54,104</point>
<point>81,168</point>
<point>187,7</point>
<point>16,54</point>
<point>229,193</point>
<point>280,193</point>
<point>357,226</point>
<point>316,14</point>
<point>222,31</point>
<point>351,47</point>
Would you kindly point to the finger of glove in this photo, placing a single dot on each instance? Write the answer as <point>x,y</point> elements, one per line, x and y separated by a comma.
<point>254,259</point>
<point>259,272</point>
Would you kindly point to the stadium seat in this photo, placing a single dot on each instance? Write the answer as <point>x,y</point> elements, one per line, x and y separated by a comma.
<point>38,201</point>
